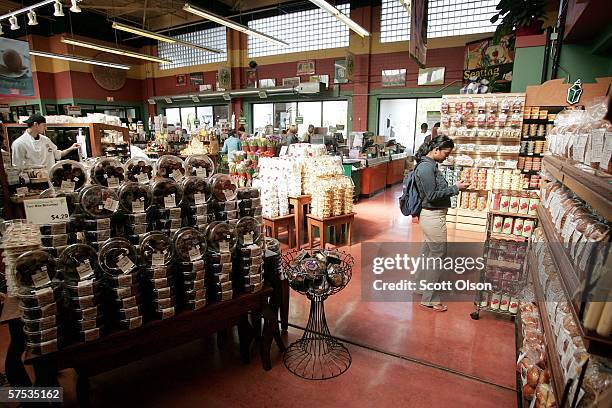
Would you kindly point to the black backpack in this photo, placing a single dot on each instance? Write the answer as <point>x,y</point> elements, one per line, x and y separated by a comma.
<point>410,201</point>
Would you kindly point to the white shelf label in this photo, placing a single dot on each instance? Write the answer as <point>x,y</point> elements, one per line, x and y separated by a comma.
<point>40,279</point>
<point>142,178</point>
<point>170,201</point>
<point>201,171</point>
<point>113,182</point>
<point>138,206</point>
<point>67,186</point>
<point>84,270</point>
<point>125,264</point>
<point>199,198</point>
<point>157,259</point>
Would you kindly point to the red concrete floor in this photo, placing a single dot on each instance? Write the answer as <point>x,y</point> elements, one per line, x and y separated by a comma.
<point>401,355</point>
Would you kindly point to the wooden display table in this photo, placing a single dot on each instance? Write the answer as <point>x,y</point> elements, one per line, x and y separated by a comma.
<point>273,225</point>
<point>323,223</point>
<point>298,204</point>
<point>126,346</point>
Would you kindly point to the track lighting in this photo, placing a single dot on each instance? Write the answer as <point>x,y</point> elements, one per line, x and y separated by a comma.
<point>32,18</point>
<point>14,23</point>
<point>75,7</point>
<point>59,12</point>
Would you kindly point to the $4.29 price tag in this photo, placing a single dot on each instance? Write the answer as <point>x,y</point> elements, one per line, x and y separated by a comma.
<point>46,210</point>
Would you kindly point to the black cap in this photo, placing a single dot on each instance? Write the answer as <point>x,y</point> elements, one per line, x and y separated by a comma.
<point>37,117</point>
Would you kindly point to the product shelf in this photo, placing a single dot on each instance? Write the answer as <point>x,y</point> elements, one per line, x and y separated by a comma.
<point>570,282</point>
<point>507,214</point>
<point>495,235</point>
<point>593,186</point>
<point>504,264</point>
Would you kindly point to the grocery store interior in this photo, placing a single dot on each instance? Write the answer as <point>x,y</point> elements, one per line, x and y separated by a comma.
<point>217,203</point>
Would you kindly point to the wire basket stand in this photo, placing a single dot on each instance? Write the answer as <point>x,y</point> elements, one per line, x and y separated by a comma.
<point>317,355</point>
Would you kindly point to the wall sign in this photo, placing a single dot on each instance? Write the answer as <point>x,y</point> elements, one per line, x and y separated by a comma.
<point>306,67</point>
<point>350,65</point>
<point>73,110</point>
<point>574,92</point>
<point>15,68</point>
<point>394,77</point>
<point>340,72</point>
<point>487,63</point>
<point>431,76</point>
<point>196,79</point>
<point>291,81</point>
<point>224,78</point>
<point>181,80</point>
<point>46,210</point>
<point>267,83</point>
<point>417,46</point>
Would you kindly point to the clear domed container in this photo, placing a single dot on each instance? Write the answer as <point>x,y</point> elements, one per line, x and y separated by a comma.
<point>220,237</point>
<point>223,187</point>
<point>72,199</point>
<point>107,172</point>
<point>156,249</point>
<point>248,232</point>
<point>170,166</point>
<point>199,165</point>
<point>35,269</point>
<point>117,256</point>
<point>163,191</point>
<point>78,261</point>
<point>98,201</point>
<point>135,197</point>
<point>67,176</point>
<point>196,190</point>
<point>139,169</point>
<point>189,244</point>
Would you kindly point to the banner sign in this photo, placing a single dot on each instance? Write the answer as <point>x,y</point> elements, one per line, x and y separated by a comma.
<point>306,67</point>
<point>15,68</point>
<point>417,46</point>
<point>488,66</point>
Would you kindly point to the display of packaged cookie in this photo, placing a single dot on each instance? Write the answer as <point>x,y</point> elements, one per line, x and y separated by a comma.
<point>189,244</point>
<point>98,201</point>
<point>199,165</point>
<point>156,249</point>
<point>135,197</point>
<point>223,187</point>
<point>34,269</point>
<point>220,237</point>
<point>72,198</point>
<point>139,169</point>
<point>167,193</point>
<point>117,256</point>
<point>171,167</point>
<point>67,176</point>
<point>107,172</point>
<point>79,262</point>
<point>196,191</point>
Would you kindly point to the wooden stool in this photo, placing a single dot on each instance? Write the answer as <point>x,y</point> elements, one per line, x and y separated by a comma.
<point>273,225</point>
<point>323,223</point>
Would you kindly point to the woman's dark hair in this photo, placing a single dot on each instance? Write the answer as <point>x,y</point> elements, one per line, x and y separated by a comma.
<point>438,142</point>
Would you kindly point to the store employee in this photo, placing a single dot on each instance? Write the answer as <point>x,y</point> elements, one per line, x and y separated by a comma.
<point>34,149</point>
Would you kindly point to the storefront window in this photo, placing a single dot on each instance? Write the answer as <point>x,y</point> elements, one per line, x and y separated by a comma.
<point>334,114</point>
<point>284,114</point>
<point>263,115</point>
<point>173,115</point>
<point>311,113</point>
<point>205,115</point>
<point>188,117</point>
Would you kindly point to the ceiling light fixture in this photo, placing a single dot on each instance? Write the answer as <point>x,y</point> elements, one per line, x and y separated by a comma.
<point>323,5</point>
<point>227,96</point>
<point>229,23</point>
<point>75,58</point>
<point>14,23</point>
<point>75,7</point>
<point>32,18</point>
<point>59,12</point>
<point>117,51</point>
<point>195,99</point>
<point>26,9</point>
<point>161,37</point>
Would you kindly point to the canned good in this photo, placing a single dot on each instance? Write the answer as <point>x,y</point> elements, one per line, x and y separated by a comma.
<point>528,228</point>
<point>518,227</point>
<point>498,223</point>
<point>507,227</point>
<point>505,302</point>
<point>495,300</point>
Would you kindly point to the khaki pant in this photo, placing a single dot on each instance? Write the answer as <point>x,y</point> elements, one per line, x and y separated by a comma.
<point>433,225</point>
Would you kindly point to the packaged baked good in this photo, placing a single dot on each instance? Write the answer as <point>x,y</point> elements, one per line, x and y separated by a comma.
<point>220,237</point>
<point>34,269</point>
<point>107,172</point>
<point>169,166</point>
<point>98,201</point>
<point>79,262</point>
<point>139,169</point>
<point>167,193</point>
<point>67,176</point>
<point>199,165</point>
<point>156,249</point>
<point>135,197</point>
<point>189,244</point>
<point>223,187</point>
<point>117,256</point>
<point>249,231</point>
<point>196,190</point>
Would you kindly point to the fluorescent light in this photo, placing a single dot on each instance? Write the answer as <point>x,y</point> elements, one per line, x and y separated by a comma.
<point>229,23</point>
<point>26,9</point>
<point>151,101</point>
<point>227,96</point>
<point>32,18</point>
<point>342,17</point>
<point>168,100</point>
<point>161,37</point>
<point>263,94</point>
<point>1,32</point>
<point>14,23</point>
<point>78,59</point>
<point>75,7</point>
<point>117,51</point>
<point>58,9</point>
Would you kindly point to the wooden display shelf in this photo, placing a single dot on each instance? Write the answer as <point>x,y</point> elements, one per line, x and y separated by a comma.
<point>487,140</point>
<point>593,186</point>
<point>504,264</point>
<point>570,282</point>
<point>486,154</point>
<point>507,214</point>
<point>531,155</point>
<point>507,237</point>
<point>554,364</point>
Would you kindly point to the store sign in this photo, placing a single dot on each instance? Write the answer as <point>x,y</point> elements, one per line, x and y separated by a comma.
<point>181,80</point>
<point>73,110</point>
<point>488,65</point>
<point>5,108</point>
<point>46,210</point>
<point>431,76</point>
<point>394,77</point>
<point>291,81</point>
<point>417,47</point>
<point>15,68</point>
<point>205,87</point>
<point>476,80</point>
<point>574,93</point>
<point>196,78</point>
<point>340,72</point>
<point>306,67</point>
<point>299,120</point>
<point>267,83</point>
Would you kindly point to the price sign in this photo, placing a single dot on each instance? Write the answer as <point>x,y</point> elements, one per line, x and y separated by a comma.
<point>46,210</point>
<point>200,171</point>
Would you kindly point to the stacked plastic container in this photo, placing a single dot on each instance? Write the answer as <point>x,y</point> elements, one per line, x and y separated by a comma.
<point>98,204</point>
<point>156,255</point>
<point>223,201</point>
<point>196,194</point>
<point>165,213</point>
<point>220,244</point>
<point>135,199</point>
<point>190,249</point>
<point>249,255</point>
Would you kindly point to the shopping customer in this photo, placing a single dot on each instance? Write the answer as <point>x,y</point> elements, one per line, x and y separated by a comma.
<point>435,194</point>
<point>292,136</point>
<point>33,149</point>
<point>307,136</point>
<point>231,144</point>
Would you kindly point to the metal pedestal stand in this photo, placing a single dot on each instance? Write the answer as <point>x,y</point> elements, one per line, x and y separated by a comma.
<point>317,355</point>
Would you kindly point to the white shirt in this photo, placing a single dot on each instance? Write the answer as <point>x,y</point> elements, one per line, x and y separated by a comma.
<point>28,152</point>
<point>419,139</point>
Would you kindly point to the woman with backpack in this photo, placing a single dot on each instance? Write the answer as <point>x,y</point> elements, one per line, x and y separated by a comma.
<point>435,194</point>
